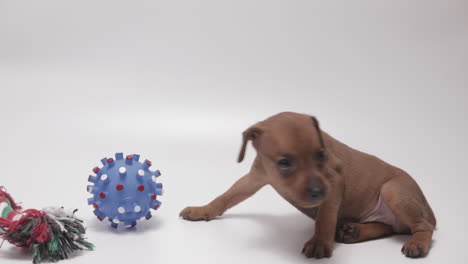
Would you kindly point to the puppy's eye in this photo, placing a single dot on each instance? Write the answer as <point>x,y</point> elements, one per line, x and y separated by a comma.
<point>284,163</point>
<point>321,156</point>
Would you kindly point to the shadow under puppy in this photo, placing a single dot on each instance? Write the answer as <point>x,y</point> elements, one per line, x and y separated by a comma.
<point>353,196</point>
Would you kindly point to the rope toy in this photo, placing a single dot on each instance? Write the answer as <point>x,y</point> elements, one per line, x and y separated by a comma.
<point>52,233</point>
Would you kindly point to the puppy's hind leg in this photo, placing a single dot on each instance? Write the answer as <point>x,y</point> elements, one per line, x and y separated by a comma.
<point>241,190</point>
<point>350,232</point>
<point>407,202</point>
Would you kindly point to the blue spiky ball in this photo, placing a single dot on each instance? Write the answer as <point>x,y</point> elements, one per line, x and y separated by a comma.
<point>124,190</point>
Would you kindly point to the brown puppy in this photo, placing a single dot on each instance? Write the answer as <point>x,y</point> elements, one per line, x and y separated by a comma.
<point>353,196</point>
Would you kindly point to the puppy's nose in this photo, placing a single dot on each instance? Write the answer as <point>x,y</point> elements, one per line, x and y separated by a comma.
<point>316,193</point>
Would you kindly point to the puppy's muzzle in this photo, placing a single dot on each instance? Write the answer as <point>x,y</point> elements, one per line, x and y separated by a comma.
<point>315,193</point>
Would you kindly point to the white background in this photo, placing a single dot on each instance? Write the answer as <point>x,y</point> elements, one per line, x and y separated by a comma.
<point>178,81</point>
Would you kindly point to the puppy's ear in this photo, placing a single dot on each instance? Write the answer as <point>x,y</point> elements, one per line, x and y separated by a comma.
<point>252,133</point>
<point>319,132</point>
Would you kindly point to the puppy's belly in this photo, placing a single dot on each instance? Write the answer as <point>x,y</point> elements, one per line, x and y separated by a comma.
<point>383,214</point>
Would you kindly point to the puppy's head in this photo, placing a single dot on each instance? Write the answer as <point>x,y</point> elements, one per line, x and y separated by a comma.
<point>292,151</point>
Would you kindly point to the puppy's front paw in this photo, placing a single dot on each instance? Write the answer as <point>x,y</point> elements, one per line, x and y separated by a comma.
<point>415,248</point>
<point>316,248</point>
<point>197,213</point>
